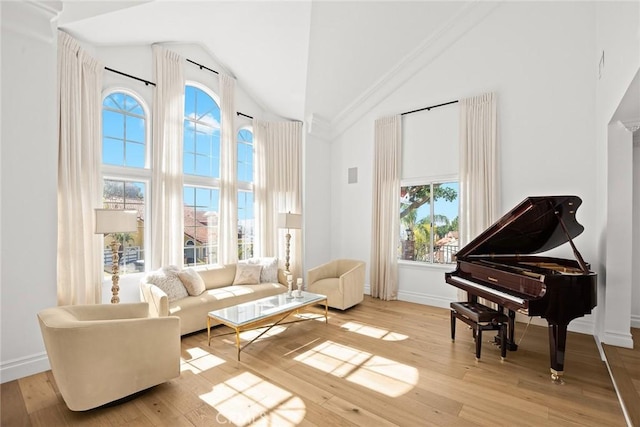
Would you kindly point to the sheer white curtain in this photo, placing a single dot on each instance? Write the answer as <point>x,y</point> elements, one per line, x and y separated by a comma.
<point>277,187</point>
<point>385,229</point>
<point>479,184</point>
<point>228,215</point>
<point>167,228</point>
<point>79,190</point>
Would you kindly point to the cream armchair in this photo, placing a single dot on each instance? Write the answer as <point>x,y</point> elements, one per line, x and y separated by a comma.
<point>342,281</point>
<point>103,352</point>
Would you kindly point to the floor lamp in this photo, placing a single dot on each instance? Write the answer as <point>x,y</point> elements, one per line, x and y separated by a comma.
<point>288,221</point>
<point>110,221</point>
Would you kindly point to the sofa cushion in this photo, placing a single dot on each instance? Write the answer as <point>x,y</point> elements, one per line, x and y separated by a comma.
<point>247,274</point>
<point>167,279</point>
<point>269,273</point>
<point>192,281</point>
<point>217,276</point>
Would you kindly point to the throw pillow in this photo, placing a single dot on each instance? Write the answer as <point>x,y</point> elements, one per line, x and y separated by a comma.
<point>192,281</point>
<point>167,279</point>
<point>269,265</point>
<point>247,274</point>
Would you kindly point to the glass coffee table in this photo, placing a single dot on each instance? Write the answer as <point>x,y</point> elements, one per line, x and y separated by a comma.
<point>265,312</point>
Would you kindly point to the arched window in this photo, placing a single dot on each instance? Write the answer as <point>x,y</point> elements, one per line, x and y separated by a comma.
<point>201,175</point>
<point>125,173</point>
<point>123,131</point>
<point>201,134</point>
<point>246,218</point>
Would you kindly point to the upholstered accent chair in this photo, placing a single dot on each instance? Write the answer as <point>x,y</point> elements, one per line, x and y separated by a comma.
<point>341,280</point>
<point>103,352</point>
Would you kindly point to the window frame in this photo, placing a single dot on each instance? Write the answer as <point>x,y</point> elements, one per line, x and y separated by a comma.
<point>132,173</point>
<point>200,181</point>
<point>246,186</point>
<point>423,181</point>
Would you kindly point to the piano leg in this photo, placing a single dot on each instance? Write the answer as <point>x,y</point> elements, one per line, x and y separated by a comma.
<point>511,343</point>
<point>557,345</point>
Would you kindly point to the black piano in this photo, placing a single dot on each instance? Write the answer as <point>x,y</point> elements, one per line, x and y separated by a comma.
<point>498,265</point>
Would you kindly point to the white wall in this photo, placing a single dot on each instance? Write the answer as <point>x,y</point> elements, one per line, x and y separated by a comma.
<point>29,174</point>
<point>544,81</point>
<point>618,36</point>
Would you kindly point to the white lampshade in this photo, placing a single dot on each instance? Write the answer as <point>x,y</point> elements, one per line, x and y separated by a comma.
<point>116,221</point>
<point>289,220</point>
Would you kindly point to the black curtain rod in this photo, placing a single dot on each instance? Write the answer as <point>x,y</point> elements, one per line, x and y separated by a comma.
<point>146,82</point>
<point>202,67</point>
<point>429,108</point>
<point>244,115</point>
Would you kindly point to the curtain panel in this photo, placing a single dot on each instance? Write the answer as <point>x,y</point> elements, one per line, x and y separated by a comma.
<point>278,188</point>
<point>479,183</point>
<point>79,262</point>
<point>167,223</point>
<point>228,215</point>
<point>385,224</point>
<point>479,192</point>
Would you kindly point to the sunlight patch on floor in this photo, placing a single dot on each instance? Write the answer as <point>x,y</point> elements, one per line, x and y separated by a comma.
<point>373,332</point>
<point>248,399</point>
<point>202,363</point>
<point>377,373</point>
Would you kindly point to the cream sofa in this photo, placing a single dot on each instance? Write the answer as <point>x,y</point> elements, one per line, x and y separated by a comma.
<point>219,292</point>
<point>341,280</point>
<point>100,353</point>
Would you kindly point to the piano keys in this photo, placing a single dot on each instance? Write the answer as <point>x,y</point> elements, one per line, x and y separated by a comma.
<point>500,267</point>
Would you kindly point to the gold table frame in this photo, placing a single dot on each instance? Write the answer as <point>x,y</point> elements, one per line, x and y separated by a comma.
<point>270,320</point>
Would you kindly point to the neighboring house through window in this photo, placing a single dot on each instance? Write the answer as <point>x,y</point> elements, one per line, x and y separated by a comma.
<point>125,173</point>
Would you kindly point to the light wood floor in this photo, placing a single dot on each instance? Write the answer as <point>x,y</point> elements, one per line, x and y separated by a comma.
<point>624,364</point>
<point>380,363</point>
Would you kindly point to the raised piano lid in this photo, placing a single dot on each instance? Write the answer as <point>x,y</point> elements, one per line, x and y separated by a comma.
<point>529,228</point>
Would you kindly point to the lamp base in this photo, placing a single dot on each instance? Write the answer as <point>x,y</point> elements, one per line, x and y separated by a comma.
<point>115,277</point>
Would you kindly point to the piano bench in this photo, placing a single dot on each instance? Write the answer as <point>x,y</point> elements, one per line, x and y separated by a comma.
<point>480,318</point>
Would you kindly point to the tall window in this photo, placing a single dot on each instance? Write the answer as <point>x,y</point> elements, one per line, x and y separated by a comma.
<point>201,176</point>
<point>125,175</point>
<point>429,222</point>
<point>245,194</point>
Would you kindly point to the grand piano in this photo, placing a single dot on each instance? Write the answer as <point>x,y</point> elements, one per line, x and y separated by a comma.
<point>500,267</point>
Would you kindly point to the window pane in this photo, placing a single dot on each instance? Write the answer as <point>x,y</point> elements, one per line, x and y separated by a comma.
<point>201,225</point>
<point>429,222</point>
<point>122,194</point>
<point>113,124</point>
<point>135,129</point>
<point>446,231</point>
<point>113,151</point>
<point>245,224</point>
<point>415,223</point>
<point>245,156</point>
<point>135,154</point>
<point>123,131</point>
<point>201,134</point>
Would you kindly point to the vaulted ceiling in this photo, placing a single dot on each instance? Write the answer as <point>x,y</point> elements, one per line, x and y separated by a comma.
<point>295,58</point>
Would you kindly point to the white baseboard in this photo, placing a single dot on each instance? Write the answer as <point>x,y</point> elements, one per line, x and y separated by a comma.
<point>23,367</point>
<point>635,321</point>
<point>618,339</point>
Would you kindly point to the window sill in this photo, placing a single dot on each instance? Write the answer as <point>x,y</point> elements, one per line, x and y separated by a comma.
<point>425,266</point>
